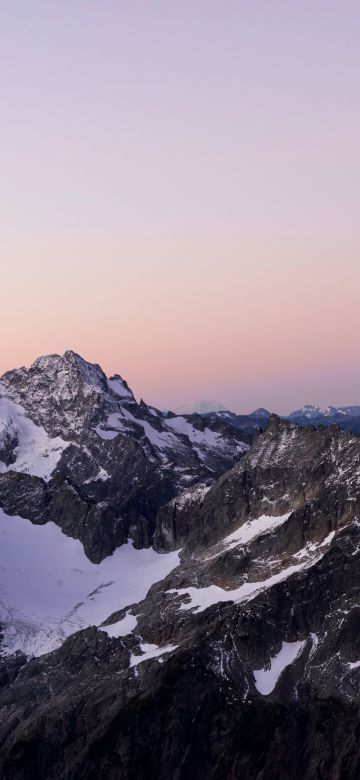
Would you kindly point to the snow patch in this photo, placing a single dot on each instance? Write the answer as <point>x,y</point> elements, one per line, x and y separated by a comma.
<point>123,627</point>
<point>191,496</point>
<point>266,679</point>
<point>35,452</point>
<point>159,439</point>
<point>113,426</point>
<point>102,476</point>
<point>118,387</point>
<point>206,438</point>
<point>150,651</point>
<point>253,528</point>
<point>328,539</point>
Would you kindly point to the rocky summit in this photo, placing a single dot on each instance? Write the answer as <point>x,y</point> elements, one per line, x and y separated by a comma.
<point>76,448</point>
<point>179,594</point>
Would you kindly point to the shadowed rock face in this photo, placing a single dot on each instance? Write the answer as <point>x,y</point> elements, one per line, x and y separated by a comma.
<point>287,467</point>
<point>114,461</point>
<point>184,725</point>
<point>83,712</point>
<point>245,659</point>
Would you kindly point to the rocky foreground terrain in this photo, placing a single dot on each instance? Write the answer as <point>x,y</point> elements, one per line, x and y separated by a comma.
<point>235,652</point>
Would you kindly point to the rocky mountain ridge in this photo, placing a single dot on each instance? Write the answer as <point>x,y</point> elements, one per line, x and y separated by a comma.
<point>334,412</point>
<point>346,417</point>
<point>77,448</point>
<point>250,645</point>
<point>239,657</point>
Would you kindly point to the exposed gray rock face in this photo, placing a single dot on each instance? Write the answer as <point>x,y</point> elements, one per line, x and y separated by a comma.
<point>8,443</point>
<point>245,660</point>
<point>287,467</point>
<point>76,448</point>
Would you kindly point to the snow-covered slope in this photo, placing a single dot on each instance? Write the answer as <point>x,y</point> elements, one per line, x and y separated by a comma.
<point>24,446</point>
<point>49,588</point>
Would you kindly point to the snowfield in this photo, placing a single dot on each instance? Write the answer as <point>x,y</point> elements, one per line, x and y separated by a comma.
<point>49,589</point>
<point>266,679</point>
<point>36,452</point>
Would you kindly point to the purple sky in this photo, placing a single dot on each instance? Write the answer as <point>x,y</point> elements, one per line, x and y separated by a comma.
<point>179,195</point>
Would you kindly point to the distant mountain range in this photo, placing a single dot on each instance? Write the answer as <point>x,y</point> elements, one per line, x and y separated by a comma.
<point>347,417</point>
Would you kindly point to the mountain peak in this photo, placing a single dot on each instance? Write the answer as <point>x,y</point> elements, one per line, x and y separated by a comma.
<point>57,391</point>
<point>275,423</point>
<point>261,412</point>
<point>57,367</point>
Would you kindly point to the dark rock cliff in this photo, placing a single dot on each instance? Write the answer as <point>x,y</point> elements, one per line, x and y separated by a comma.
<point>259,625</point>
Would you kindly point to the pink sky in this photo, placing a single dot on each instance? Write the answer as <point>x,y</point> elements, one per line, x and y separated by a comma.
<point>179,195</point>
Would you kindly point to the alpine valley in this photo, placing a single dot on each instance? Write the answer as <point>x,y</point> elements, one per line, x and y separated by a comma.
<point>179,593</point>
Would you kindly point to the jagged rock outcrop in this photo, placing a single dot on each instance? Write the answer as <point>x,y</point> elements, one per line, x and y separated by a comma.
<point>287,467</point>
<point>96,462</point>
<point>244,662</point>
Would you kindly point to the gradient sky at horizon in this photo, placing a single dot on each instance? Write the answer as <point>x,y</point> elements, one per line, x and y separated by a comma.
<point>179,195</point>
